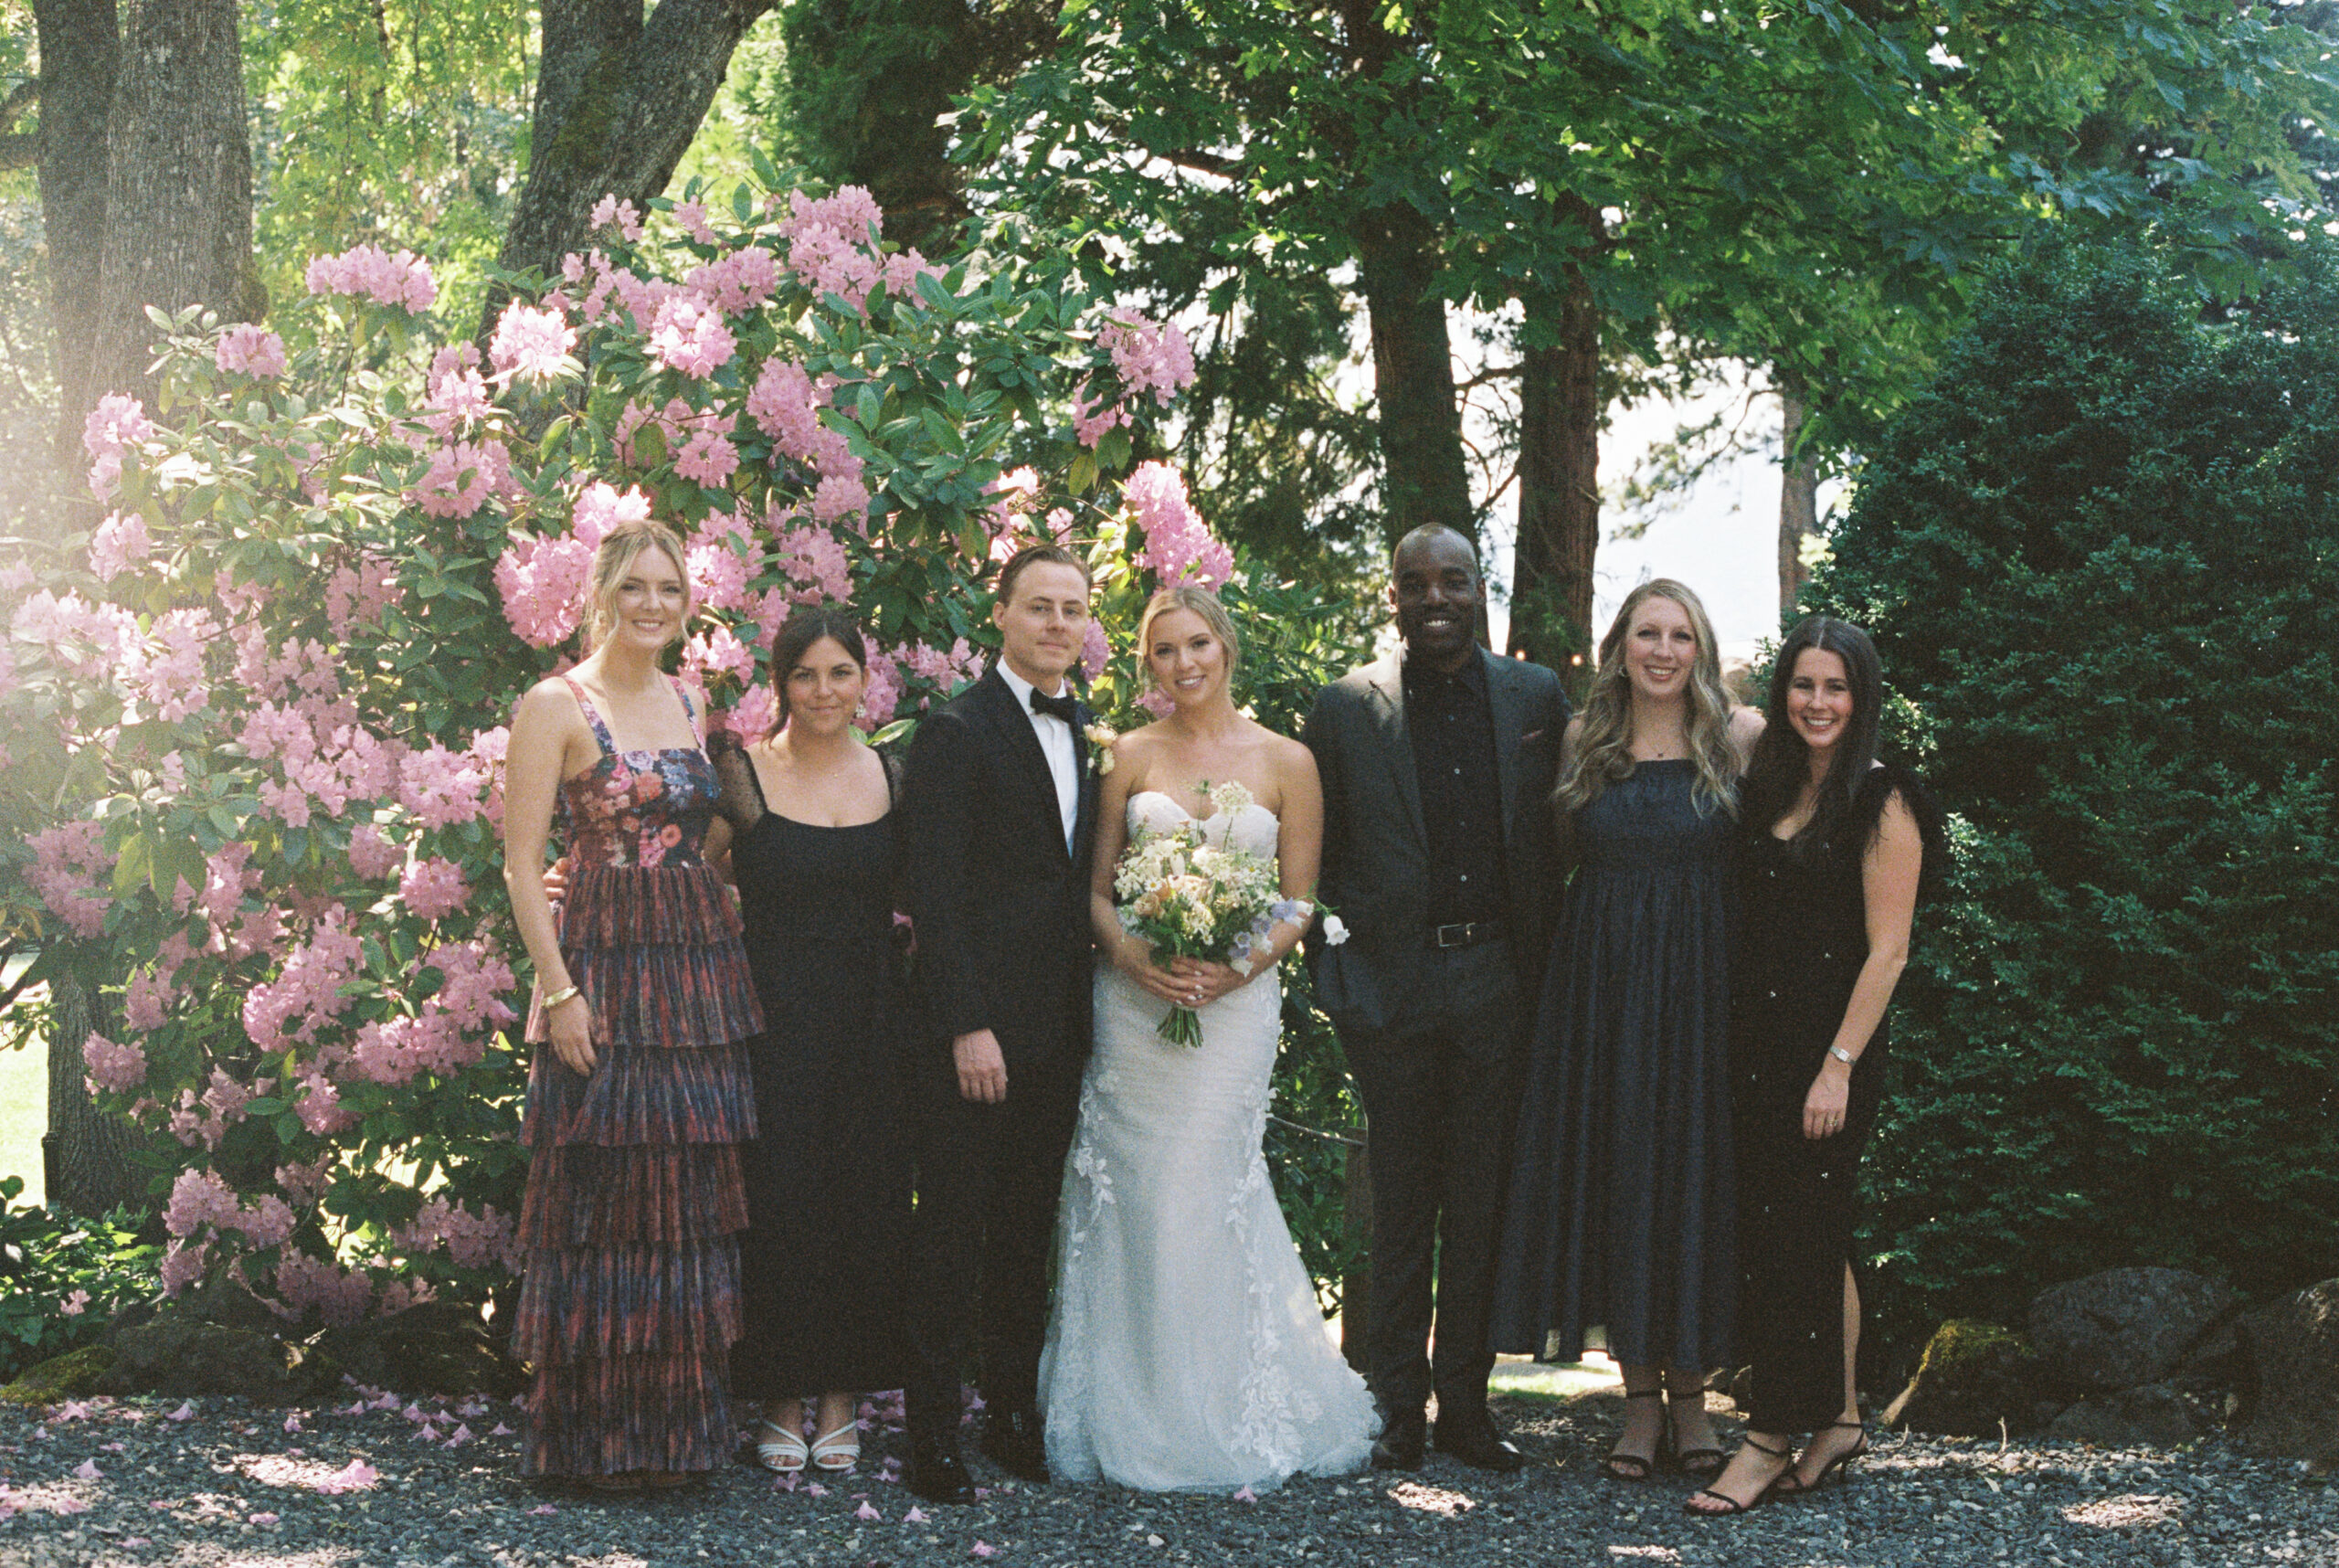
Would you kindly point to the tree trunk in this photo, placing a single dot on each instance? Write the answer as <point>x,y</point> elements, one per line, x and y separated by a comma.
<point>1798,496</point>
<point>178,224</point>
<point>80,49</point>
<point>1424,479</point>
<point>1559,478</point>
<point>618,100</point>
<point>85,1155</point>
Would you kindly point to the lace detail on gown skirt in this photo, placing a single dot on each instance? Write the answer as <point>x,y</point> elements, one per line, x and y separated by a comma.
<point>1186,1351</point>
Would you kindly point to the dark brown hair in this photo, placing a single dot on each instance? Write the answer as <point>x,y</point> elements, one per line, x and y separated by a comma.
<point>1781,765</point>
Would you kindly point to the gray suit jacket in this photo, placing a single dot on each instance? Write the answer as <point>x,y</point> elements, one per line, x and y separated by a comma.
<point>1376,849</point>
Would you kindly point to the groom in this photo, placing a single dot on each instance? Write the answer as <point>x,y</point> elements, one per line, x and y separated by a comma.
<point>997,814</point>
<point>1438,764</point>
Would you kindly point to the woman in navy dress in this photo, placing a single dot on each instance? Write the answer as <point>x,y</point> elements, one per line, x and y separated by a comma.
<point>638,1096</point>
<point>1621,1208</point>
<point>1833,844</point>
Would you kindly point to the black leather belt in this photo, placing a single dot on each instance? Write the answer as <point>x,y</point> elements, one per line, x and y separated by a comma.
<point>1465,934</point>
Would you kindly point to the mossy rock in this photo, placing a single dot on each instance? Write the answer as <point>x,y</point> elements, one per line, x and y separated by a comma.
<point>440,1347</point>
<point>179,1353</point>
<point>67,1376</point>
<point>1976,1379</point>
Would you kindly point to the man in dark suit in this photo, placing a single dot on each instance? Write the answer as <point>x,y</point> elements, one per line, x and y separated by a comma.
<point>998,810</point>
<point>1439,763</point>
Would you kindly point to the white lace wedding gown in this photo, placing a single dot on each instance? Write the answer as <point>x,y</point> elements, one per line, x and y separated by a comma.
<point>1185,1348</point>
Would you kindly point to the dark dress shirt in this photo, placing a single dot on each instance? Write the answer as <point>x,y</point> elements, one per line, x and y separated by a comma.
<point>1453,732</point>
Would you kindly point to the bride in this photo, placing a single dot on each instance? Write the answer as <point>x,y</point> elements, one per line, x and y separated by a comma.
<point>1186,1350</point>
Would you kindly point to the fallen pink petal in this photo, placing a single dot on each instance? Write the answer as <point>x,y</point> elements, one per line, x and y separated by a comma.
<point>916,1516</point>
<point>867,1510</point>
<point>184,1412</point>
<point>263,1519</point>
<point>1245,1494</point>
<point>984,1548</point>
<point>87,1470</point>
<point>544,1508</point>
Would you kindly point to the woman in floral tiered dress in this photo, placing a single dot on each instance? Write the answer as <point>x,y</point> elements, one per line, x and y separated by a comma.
<point>638,1095</point>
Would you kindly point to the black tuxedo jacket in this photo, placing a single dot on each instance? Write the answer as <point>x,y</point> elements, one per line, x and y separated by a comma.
<point>1376,847</point>
<point>1000,905</point>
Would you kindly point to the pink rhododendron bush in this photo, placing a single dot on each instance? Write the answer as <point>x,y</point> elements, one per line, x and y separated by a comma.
<point>254,725</point>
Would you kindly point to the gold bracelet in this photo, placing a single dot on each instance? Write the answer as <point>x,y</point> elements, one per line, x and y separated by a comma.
<point>556,997</point>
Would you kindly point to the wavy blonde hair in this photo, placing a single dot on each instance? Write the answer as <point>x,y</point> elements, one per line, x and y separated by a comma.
<point>1203,603</point>
<point>619,549</point>
<point>1603,753</point>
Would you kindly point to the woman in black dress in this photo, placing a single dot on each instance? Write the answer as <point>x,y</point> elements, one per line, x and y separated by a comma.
<point>1833,846</point>
<point>828,1177</point>
<point>1621,1207</point>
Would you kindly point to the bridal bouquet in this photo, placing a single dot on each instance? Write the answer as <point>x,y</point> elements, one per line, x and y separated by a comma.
<point>1188,898</point>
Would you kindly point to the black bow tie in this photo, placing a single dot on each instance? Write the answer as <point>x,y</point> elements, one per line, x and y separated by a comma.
<point>1062,706</point>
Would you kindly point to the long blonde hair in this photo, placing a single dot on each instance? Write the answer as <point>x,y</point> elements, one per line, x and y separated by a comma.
<point>619,548</point>
<point>1603,752</point>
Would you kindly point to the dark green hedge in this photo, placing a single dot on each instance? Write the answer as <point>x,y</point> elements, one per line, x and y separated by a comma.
<point>2101,560</point>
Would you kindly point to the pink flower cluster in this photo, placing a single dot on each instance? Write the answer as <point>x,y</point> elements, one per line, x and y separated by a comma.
<point>112,427</point>
<point>530,345</point>
<point>119,1068</point>
<point>201,1201</point>
<point>69,863</point>
<point>785,404</point>
<point>739,281</point>
<point>118,544</point>
<point>1091,422</point>
<point>250,349</point>
<point>356,595</point>
<point>166,672</point>
<point>1149,358</point>
<point>402,280</point>
<point>690,216</point>
<point>1177,546</point>
<point>815,561</point>
<point>687,334</point>
<point>307,992</point>
<point>441,787</point>
<point>833,248</point>
<point>460,477</point>
<point>621,216</point>
<point>474,1241</point>
<point>85,640</point>
<point>542,582</point>
<point>223,1102</point>
<point>434,889</point>
<point>457,396</point>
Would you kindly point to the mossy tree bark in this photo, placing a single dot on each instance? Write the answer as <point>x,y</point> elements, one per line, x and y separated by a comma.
<point>1798,493</point>
<point>80,50</point>
<point>178,217</point>
<point>86,1163</point>
<point>1424,479</point>
<point>619,97</point>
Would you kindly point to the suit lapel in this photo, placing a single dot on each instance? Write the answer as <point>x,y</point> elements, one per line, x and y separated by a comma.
<point>1083,826</point>
<point>1387,680</point>
<point>1504,706</point>
<point>1015,730</point>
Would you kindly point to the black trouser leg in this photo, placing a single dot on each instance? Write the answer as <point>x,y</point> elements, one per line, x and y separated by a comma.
<point>987,1181</point>
<point>1395,1080</point>
<point>1477,1067</point>
<point>1027,1184</point>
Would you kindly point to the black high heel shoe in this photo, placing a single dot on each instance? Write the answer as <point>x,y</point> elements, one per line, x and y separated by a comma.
<point>1697,1463</point>
<point>1730,1505</point>
<point>1839,1466</point>
<point>1631,1467</point>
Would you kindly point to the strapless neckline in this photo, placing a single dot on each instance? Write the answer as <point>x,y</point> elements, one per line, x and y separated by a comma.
<point>1178,805</point>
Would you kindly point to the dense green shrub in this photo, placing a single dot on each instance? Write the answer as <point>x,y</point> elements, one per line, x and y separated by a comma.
<point>62,1279</point>
<point>2100,557</point>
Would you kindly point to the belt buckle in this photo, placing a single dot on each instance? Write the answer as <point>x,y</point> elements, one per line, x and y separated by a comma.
<point>1453,936</point>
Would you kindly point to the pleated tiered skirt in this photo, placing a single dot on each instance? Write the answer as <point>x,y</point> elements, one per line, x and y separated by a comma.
<point>631,1301</point>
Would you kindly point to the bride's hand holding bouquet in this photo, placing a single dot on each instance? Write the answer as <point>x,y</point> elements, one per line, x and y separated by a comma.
<point>1207,908</point>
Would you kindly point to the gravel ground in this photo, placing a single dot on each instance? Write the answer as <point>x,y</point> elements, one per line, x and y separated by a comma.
<point>218,1482</point>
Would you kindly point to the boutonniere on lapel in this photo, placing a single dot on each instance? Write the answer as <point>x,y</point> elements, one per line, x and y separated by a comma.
<point>1101,737</point>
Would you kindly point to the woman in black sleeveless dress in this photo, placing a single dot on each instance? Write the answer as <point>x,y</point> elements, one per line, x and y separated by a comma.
<point>828,1176</point>
<point>1833,847</point>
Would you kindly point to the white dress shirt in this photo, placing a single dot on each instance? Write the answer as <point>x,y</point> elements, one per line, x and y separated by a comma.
<point>1057,744</point>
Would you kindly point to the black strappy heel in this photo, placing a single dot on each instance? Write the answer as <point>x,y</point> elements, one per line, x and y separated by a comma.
<point>1699,1464</point>
<point>1839,1466</point>
<point>1615,1466</point>
<point>1730,1504</point>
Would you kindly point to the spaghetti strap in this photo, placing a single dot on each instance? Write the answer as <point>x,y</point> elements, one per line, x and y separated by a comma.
<point>592,716</point>
<point>690,710</point>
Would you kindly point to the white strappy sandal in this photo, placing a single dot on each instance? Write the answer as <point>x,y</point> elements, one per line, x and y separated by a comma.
<point>836,1452</point>
<point>780,1448</point>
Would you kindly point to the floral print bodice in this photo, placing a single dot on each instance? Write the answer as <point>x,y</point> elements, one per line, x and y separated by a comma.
<point>638,807</point>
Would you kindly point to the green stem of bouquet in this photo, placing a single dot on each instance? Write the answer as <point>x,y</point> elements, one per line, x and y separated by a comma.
<point>1182,1026</point>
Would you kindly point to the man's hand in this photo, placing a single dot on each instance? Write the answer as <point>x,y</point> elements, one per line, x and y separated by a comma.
<point>982,1070</point>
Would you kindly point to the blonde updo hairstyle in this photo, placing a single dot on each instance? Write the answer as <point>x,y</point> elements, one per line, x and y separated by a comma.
<point>620,548</point>
<point>1603,752</point>
<point>1203,603</point>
